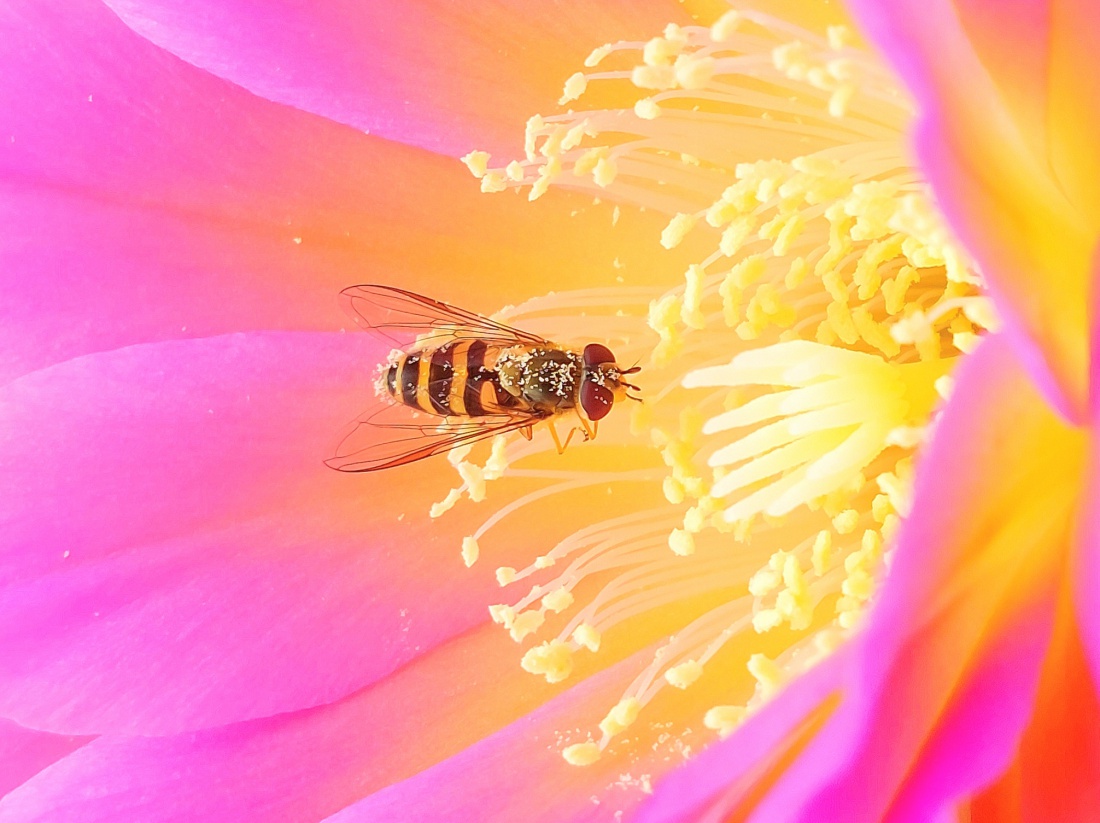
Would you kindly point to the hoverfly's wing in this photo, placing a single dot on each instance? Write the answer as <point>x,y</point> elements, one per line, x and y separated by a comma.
<point>405,318</point>
<point>389,435</point>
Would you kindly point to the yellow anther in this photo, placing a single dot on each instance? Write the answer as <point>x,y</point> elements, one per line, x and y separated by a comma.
<point>821,554</point>
<point>514,171</point>
<point>793,59</point>
<point>748,271</point>
<point>673,490</point>
<point>526,623</point>
<point>504,615</point>
<point>576,134</point>
<point>551,146</point>
<point>581,754</point>
<point>681,542</point>
<point>840,321</point>
<point>981,311</point>
<point>653,77</point>
<point>697,517</point>
<point>558,600</point>
<point>445,505</point>
<point>765,620</point>
<point>764,581</point>
<point>552,659</point>
<point>604,172</point>
<point>574,88</point>
<point>874,333</point>
<point>505,575</point>
<point>731,301</point>
<point>676,229</point>
<point>661,51</point>
<point>841,98</point>
<point>474,478</point>
<point>597,55</point>
<point>890,527</point>
<point>736,233</point>
<point>839,37</point>
<point>493,182</point>
<point>694,72</point>
<point>859,584</point>
<point>945,386</point>
<point>621,717</point>
<point>685,674</point>
<point>793,578</point>
<point>871,544</point>
<point>477,162</point>
<point>965,342</point>
<point>846,521</point>
<point>587,636</point>
<point>548,171</point>
<point>725,27</point>
<point>795,608</point>
<point>796,274</point>
<point>724,719</point>
<point>544,561</point>
<point>789,230</point>
<point>586,163</point>
<point>880,507</point>
<point>894,290</point>
<point>470,551</point>
<point>676,34</point>
<point>766,673</point>
<point>498,461</point>
<point>691,311</point>
<point>647,109</point>
<point>535,126</point>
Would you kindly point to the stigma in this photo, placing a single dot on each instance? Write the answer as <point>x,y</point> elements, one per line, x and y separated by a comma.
<point>794,369</point>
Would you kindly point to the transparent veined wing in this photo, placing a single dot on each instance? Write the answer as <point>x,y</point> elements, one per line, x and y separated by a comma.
<point>405,318</point>
<point>389,434</point>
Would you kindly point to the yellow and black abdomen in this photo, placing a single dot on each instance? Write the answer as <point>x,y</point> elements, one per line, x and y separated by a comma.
<point>458,378</point>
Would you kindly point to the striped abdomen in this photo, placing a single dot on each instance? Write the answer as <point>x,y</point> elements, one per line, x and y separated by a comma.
<point>455,379</point>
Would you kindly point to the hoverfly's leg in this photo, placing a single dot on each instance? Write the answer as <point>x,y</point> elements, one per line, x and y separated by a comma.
<point>588,428</point>
<point>568,437</point>
<point>554,435</point>
<point>526,432</point>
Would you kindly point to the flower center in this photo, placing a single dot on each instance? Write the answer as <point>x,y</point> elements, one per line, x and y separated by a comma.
<point>790,374</point>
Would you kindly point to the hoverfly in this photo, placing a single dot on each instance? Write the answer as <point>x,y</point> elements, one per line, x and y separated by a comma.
<point>456,378</point>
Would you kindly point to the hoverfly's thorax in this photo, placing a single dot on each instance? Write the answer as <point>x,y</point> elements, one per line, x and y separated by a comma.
<point>546,378</point>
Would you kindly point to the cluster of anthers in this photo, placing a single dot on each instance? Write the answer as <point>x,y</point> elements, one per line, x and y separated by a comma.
<point>790,375</point>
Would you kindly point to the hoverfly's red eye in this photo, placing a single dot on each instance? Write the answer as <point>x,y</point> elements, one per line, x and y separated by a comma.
<point>595,354</point>
<point>596,400</point>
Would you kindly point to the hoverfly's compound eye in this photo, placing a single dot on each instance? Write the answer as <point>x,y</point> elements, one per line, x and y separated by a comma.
<point>595,355</point>
<point>596,400</point>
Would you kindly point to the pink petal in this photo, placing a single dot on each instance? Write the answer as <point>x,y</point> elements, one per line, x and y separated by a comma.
<point>175,204</point>
<point>952,651</point>
<point>24,753</point>
<point>1030,226</point>
<point>440,76</point>
<point>177,555</point>
<point>309,764</point>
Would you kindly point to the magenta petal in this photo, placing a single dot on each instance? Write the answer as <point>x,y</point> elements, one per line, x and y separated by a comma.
<point>178,556</point>
<point>24,753</point>
<point>309,764</point>
<point>441,76</point>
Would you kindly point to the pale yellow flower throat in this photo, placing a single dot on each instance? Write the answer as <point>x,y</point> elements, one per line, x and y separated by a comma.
<point>790,374</point>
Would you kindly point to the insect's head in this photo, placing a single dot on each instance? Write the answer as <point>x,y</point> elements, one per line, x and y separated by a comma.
<point>603,381</point>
